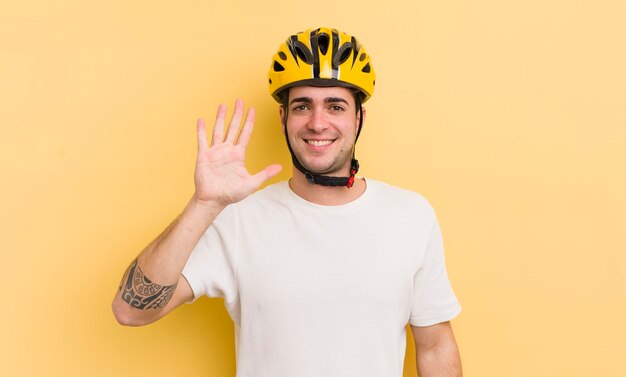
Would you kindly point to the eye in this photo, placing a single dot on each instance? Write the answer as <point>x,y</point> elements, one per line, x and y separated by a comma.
<point>336,108</point>
<point>300,108</point>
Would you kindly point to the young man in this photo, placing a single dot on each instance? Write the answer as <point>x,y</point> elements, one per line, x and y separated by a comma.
<point>320,274</point>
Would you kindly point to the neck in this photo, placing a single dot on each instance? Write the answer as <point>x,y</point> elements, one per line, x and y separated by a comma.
<point>325,195</point>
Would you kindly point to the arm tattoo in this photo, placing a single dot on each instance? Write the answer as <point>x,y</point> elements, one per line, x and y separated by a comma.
<point>141,293</point>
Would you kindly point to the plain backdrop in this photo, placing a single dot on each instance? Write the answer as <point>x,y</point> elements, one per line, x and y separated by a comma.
<point>508,116</point>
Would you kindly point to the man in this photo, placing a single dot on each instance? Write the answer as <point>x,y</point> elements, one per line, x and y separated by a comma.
<point>322,273</point>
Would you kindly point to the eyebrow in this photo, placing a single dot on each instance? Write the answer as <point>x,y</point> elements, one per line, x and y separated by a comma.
<point>326,100</point>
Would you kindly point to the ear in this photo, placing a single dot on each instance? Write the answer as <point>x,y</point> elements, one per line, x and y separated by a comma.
<point>281,113</point>
<point>357,117</point>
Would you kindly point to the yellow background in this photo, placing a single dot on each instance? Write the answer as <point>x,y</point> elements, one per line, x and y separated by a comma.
<point>508,116</point>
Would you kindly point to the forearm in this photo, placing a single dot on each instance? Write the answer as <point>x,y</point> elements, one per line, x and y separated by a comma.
<point>164,258</point>
<point>151,279</point>
<point>441,360</point>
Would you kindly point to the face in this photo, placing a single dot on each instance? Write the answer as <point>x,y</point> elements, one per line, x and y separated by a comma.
<point>322,124</point>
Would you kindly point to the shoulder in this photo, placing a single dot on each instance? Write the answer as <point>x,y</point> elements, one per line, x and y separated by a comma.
<point>269,197</point>
<point>259,201</point>
<point>269,194</point>
<point>397,197</point>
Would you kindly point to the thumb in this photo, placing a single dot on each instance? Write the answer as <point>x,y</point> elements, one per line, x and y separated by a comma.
<point>266,174</point>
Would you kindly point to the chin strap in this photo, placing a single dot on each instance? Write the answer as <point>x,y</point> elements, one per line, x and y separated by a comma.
<point>324,180</point>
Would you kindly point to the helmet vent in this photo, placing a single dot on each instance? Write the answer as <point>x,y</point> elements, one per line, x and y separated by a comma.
<point>367,68</point>
<point>282,55</point>
<point>278,67</point>
<point>362,57</point>
<point>322,40</point>
<point>342,54</point>
<point>303,52</point>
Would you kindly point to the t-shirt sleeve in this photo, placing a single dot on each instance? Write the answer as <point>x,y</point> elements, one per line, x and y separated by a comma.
<point>434,301</point>
<point>211,267</point>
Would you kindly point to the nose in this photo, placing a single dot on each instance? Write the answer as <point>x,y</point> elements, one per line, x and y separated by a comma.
<point>317,121</point>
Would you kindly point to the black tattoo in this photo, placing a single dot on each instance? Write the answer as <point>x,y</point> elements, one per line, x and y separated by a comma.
<point>141,293</point>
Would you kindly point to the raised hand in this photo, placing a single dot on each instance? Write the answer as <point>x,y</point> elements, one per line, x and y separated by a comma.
<point>221,176</point>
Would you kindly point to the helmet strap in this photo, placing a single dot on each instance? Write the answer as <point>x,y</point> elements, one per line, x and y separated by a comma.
<point>324,180</point>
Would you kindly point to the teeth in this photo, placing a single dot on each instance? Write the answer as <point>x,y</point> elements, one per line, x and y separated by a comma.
<point>319,143</point>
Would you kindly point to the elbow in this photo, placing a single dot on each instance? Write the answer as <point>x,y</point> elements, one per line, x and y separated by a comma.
<point>124,315</point>
<point>124,320</point>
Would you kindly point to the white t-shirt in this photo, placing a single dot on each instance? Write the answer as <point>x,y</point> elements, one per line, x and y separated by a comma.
<point>324,290</point>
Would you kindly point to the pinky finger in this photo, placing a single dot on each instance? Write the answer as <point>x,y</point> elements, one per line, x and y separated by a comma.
<point>202,142</point>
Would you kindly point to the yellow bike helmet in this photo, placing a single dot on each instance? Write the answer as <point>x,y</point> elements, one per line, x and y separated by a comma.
<point>321,57</point>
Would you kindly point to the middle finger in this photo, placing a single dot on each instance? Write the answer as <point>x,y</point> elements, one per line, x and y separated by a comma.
<point>233,127</point>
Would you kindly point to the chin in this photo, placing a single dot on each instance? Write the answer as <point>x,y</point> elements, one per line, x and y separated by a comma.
<point>322,169</point>
<point>325,167</point>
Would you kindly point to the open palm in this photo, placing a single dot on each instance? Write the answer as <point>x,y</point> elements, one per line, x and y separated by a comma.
<point>221,176</point>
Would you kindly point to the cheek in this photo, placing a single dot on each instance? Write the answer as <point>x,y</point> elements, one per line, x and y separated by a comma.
<point>351,127</point>
<point>295,125</point>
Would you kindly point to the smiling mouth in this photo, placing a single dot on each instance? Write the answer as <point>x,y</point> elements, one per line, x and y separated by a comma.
<point>319,143</point>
